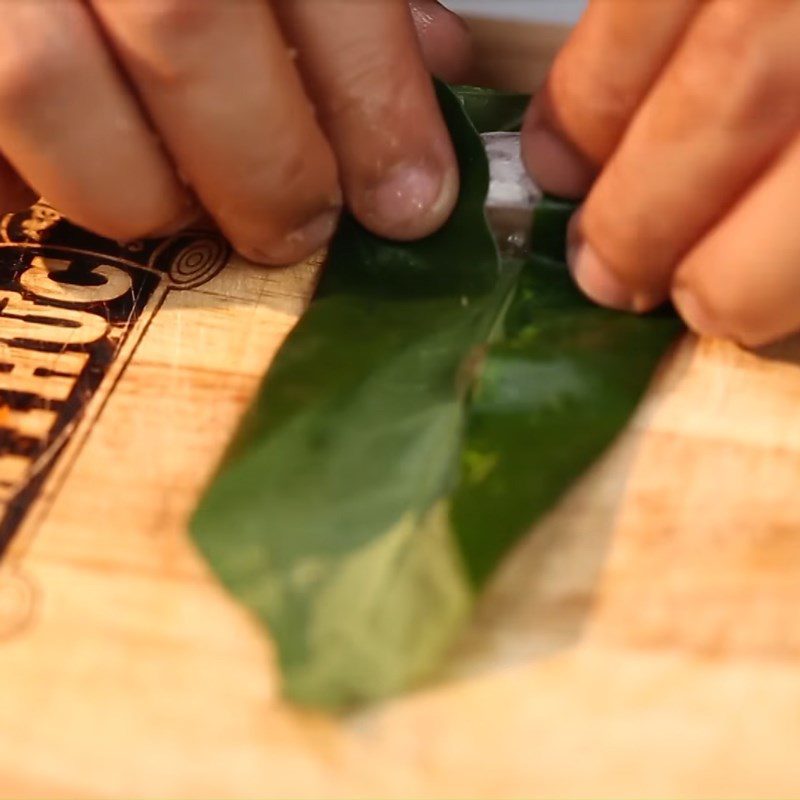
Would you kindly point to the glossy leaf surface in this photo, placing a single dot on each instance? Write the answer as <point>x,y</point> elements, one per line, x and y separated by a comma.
<point>490,110</point>
<point>430,405</point>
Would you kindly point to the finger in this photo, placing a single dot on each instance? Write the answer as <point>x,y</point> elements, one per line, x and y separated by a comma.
<point>597,82</point>
<point>15,194</point>
<point>221,87</point>
<point>69,127</point>
<point>444,38</point>
<point>377,104</point>
<point>692,150</point>
<point>743,280</point>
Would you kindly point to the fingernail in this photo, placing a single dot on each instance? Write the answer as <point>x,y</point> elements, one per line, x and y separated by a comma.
<point>300,243</point>
<point>597,281</point>
<point>695,314</point>
<point>556,165</point>
<point>410,195</point>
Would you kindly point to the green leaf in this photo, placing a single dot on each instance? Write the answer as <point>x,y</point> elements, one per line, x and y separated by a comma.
<point>428,407</point>
<point>552,394</point>
<point>490,110</point>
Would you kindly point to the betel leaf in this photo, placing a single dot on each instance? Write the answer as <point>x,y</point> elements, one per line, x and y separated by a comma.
<point>490,110</point>
<point>430,405</point>
<point>552,394</point>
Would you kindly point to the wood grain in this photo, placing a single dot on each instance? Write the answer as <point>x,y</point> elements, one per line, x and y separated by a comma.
<point>643,641</point>
<point>513,55</point>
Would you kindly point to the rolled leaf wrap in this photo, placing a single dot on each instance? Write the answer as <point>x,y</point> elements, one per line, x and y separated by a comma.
<point>432,403</point>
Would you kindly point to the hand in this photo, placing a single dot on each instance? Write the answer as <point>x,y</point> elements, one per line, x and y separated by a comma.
<point>125,113</point>
<point>681,120</point>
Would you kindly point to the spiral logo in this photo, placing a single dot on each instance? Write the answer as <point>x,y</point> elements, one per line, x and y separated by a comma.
<point>30,225</point>
<point>192,258</point>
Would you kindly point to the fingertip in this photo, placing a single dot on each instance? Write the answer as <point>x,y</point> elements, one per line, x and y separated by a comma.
<point>411,200</point>
<point>378,107</point>
<point>728,314</point>
<point>556,165</point>
<point>294,246</point>
<point>597,279</point>
<point>694,313</point>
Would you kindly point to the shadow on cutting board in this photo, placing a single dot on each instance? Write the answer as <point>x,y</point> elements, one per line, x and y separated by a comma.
<point>542,597</point>
<point>546,592</point>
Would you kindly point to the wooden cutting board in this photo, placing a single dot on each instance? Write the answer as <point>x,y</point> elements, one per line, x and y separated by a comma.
<point>643,641</point>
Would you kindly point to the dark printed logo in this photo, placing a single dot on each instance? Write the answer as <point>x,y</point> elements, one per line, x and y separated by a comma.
<point>72,308</point>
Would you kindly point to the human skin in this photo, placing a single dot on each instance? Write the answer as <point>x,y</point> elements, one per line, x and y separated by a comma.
<point>678,122</point>
<point>132,115</point>
<point>675,121</point>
